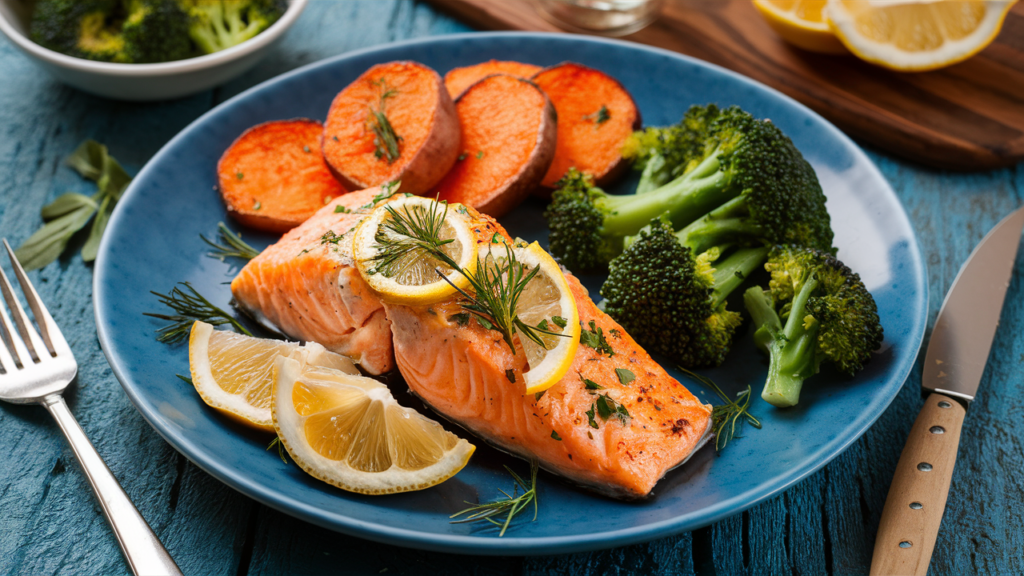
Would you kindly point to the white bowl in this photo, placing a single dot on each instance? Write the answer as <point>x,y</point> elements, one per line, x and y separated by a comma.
<point>144,82</point>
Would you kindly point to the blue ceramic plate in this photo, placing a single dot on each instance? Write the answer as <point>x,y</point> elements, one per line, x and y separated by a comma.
<point>153,242</point>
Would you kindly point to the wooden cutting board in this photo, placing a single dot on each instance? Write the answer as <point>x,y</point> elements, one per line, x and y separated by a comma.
<point>969,116</point>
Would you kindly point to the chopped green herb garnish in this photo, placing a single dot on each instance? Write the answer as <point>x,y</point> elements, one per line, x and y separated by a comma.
<point>625,376</point>
<point>305,149</point>
<point>239,175</point>
<point>187,379</point>
<point>335,138</point>
<point>257,205</point>
<point>559,321</point>
<point>497,238</point>
<point>594,337</point>
<point>725,417</point>
<point>513,503</point>
<point>543,324</point>
<point>330,237</point>
<point>511,375</point>
<point>590,384</point>
<point>485,323</point>
<point>385,139</point>
<point>461,318</point>
<point>539,395</point>
<point>339,209</point>
<point>590,417</point>
<point>462,157</point>
<point>556,436</point>
<point>479,154</point>
<point>599,117</point>
<point>280,448</point>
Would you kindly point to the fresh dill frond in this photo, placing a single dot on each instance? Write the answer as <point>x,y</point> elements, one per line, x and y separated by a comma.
<point>231,246</point>
<point>414,232</point>
<point>186,379</point>
<point>281,453</point>
<point>385,139</point>
<point>189,306</point>
<point>725,417</point>
<point>510,506</point>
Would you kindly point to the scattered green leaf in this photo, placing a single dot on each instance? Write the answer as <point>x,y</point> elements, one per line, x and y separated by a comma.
<point>625,376</point>
<point>189,306</point>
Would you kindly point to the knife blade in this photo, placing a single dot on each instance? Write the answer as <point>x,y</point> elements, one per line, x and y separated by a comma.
<point>957,353</point>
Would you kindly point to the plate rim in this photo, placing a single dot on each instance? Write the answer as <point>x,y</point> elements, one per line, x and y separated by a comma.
<point>511,545</point>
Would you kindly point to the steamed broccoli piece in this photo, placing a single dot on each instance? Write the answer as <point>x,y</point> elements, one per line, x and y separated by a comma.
<point>80,28</point>
<point>665,153</point>
<point>829,316</point>
<point>156,31</point>
<point>672,299</point>
<point>749,184</point>
<point>220,24</point>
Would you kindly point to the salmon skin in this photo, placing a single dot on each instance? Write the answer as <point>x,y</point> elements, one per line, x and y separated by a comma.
<point>464,372</point>
<point>306,287</point>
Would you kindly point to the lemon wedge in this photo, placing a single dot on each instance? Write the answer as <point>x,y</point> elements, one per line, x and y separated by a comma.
<point>802,23</point>
<point>403,272</point>
<point>916,35</point>
<point>233,373</point>
<point>349,431</point>
<point>546,302</point>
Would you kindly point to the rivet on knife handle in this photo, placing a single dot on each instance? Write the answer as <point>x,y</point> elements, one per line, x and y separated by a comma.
<point>917,497</point>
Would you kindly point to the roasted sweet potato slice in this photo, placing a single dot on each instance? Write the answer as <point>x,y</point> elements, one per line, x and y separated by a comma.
<point>595,116</point>
<point>273,176</point>
<point>458,79</point>
<point>395,122</point>
<point>508,141</point>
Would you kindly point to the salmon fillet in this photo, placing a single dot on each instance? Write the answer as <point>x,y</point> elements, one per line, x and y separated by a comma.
<point>306,287</point>
<point>460,371</point>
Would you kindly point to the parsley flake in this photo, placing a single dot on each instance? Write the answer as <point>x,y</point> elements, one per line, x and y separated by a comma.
<point>556,436</point>
<point>625,376</point>
<point>511,375</point>
<point>594,337</point>
<point>559,321</point>
<point>461,319</point>
<point>339,209</point>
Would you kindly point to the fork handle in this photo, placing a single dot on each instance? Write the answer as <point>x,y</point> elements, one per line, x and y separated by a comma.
<point>141,547</point>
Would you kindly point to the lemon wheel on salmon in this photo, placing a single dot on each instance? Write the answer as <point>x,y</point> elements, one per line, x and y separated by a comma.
<point>802,23</point>
<point>391,256</point>
<point>348,431</point>
<point>545,303</point>
<point>233,373</point>
<point>917,35</point>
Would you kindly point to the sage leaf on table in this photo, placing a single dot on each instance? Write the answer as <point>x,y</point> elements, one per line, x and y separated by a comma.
<point>71,212</point>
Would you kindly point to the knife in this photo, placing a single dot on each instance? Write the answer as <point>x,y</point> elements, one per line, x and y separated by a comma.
<point>956,358</point>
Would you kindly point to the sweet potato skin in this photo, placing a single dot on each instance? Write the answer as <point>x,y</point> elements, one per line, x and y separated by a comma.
<point>578,92</point>
<point>457,80</point>
<point>485,132</point>
<point>273,176</point>
<point>424,158</point>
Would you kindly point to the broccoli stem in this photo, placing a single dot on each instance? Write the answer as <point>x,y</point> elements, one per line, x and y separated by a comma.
<point>767,325</point>
<point>655,175</point>
<point>793,355</point>
<point>683,200</point>
<point>731,272</point>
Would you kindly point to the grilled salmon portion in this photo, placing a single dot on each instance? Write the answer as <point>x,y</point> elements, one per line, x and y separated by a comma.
<point>465,372</point>
<point>307,288</point>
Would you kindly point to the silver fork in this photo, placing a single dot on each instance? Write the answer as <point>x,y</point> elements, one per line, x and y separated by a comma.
<point>36,368</point>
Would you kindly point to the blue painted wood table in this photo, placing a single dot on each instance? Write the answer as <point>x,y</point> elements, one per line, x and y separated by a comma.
<point>50,524</point>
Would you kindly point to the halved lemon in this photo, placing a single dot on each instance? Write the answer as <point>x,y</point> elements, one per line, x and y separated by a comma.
<point>916,35</point>
<point>802,23</point>
<point>391,257</point>
<point>233,373</point>
<point>547,303</point>
<point>349,431</point>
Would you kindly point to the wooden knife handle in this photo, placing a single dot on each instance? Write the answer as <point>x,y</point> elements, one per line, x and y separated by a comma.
<point>917,497</point>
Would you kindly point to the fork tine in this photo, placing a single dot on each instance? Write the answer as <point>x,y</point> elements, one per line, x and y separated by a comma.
<point>29,337</point>
<point>47,327</point>
<point>7,343</point>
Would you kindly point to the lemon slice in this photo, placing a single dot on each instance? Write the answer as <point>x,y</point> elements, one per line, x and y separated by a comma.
<point>401,272</point>
<point>233,373</point>
<point>349,431</point>
<point>802,23</point>
<point>917,35</point>
<point>545,301</point>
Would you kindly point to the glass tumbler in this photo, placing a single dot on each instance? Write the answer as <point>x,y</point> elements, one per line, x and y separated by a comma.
<point>605,17</point>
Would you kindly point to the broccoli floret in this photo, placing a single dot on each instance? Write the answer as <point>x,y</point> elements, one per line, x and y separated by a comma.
<point>749,184</point>
<point>156,31</point>
<point>220,24</point>
<point>672,300</point>
<point>829,316</point>
<point>81,28</point>
<point>664,153</point>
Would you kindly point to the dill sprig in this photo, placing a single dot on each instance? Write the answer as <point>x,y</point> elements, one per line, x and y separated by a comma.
<point>281,453</point>
<point>231,246</point>
<point>725,417</point>
<point>512,505</point>
<point>189,306</point>
<point>385,139</point>
<point>496,285</point>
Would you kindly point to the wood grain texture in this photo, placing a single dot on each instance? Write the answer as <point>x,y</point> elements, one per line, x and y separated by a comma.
<point>49,523</point>
<point>969,116</point>
<point>920,486</point>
